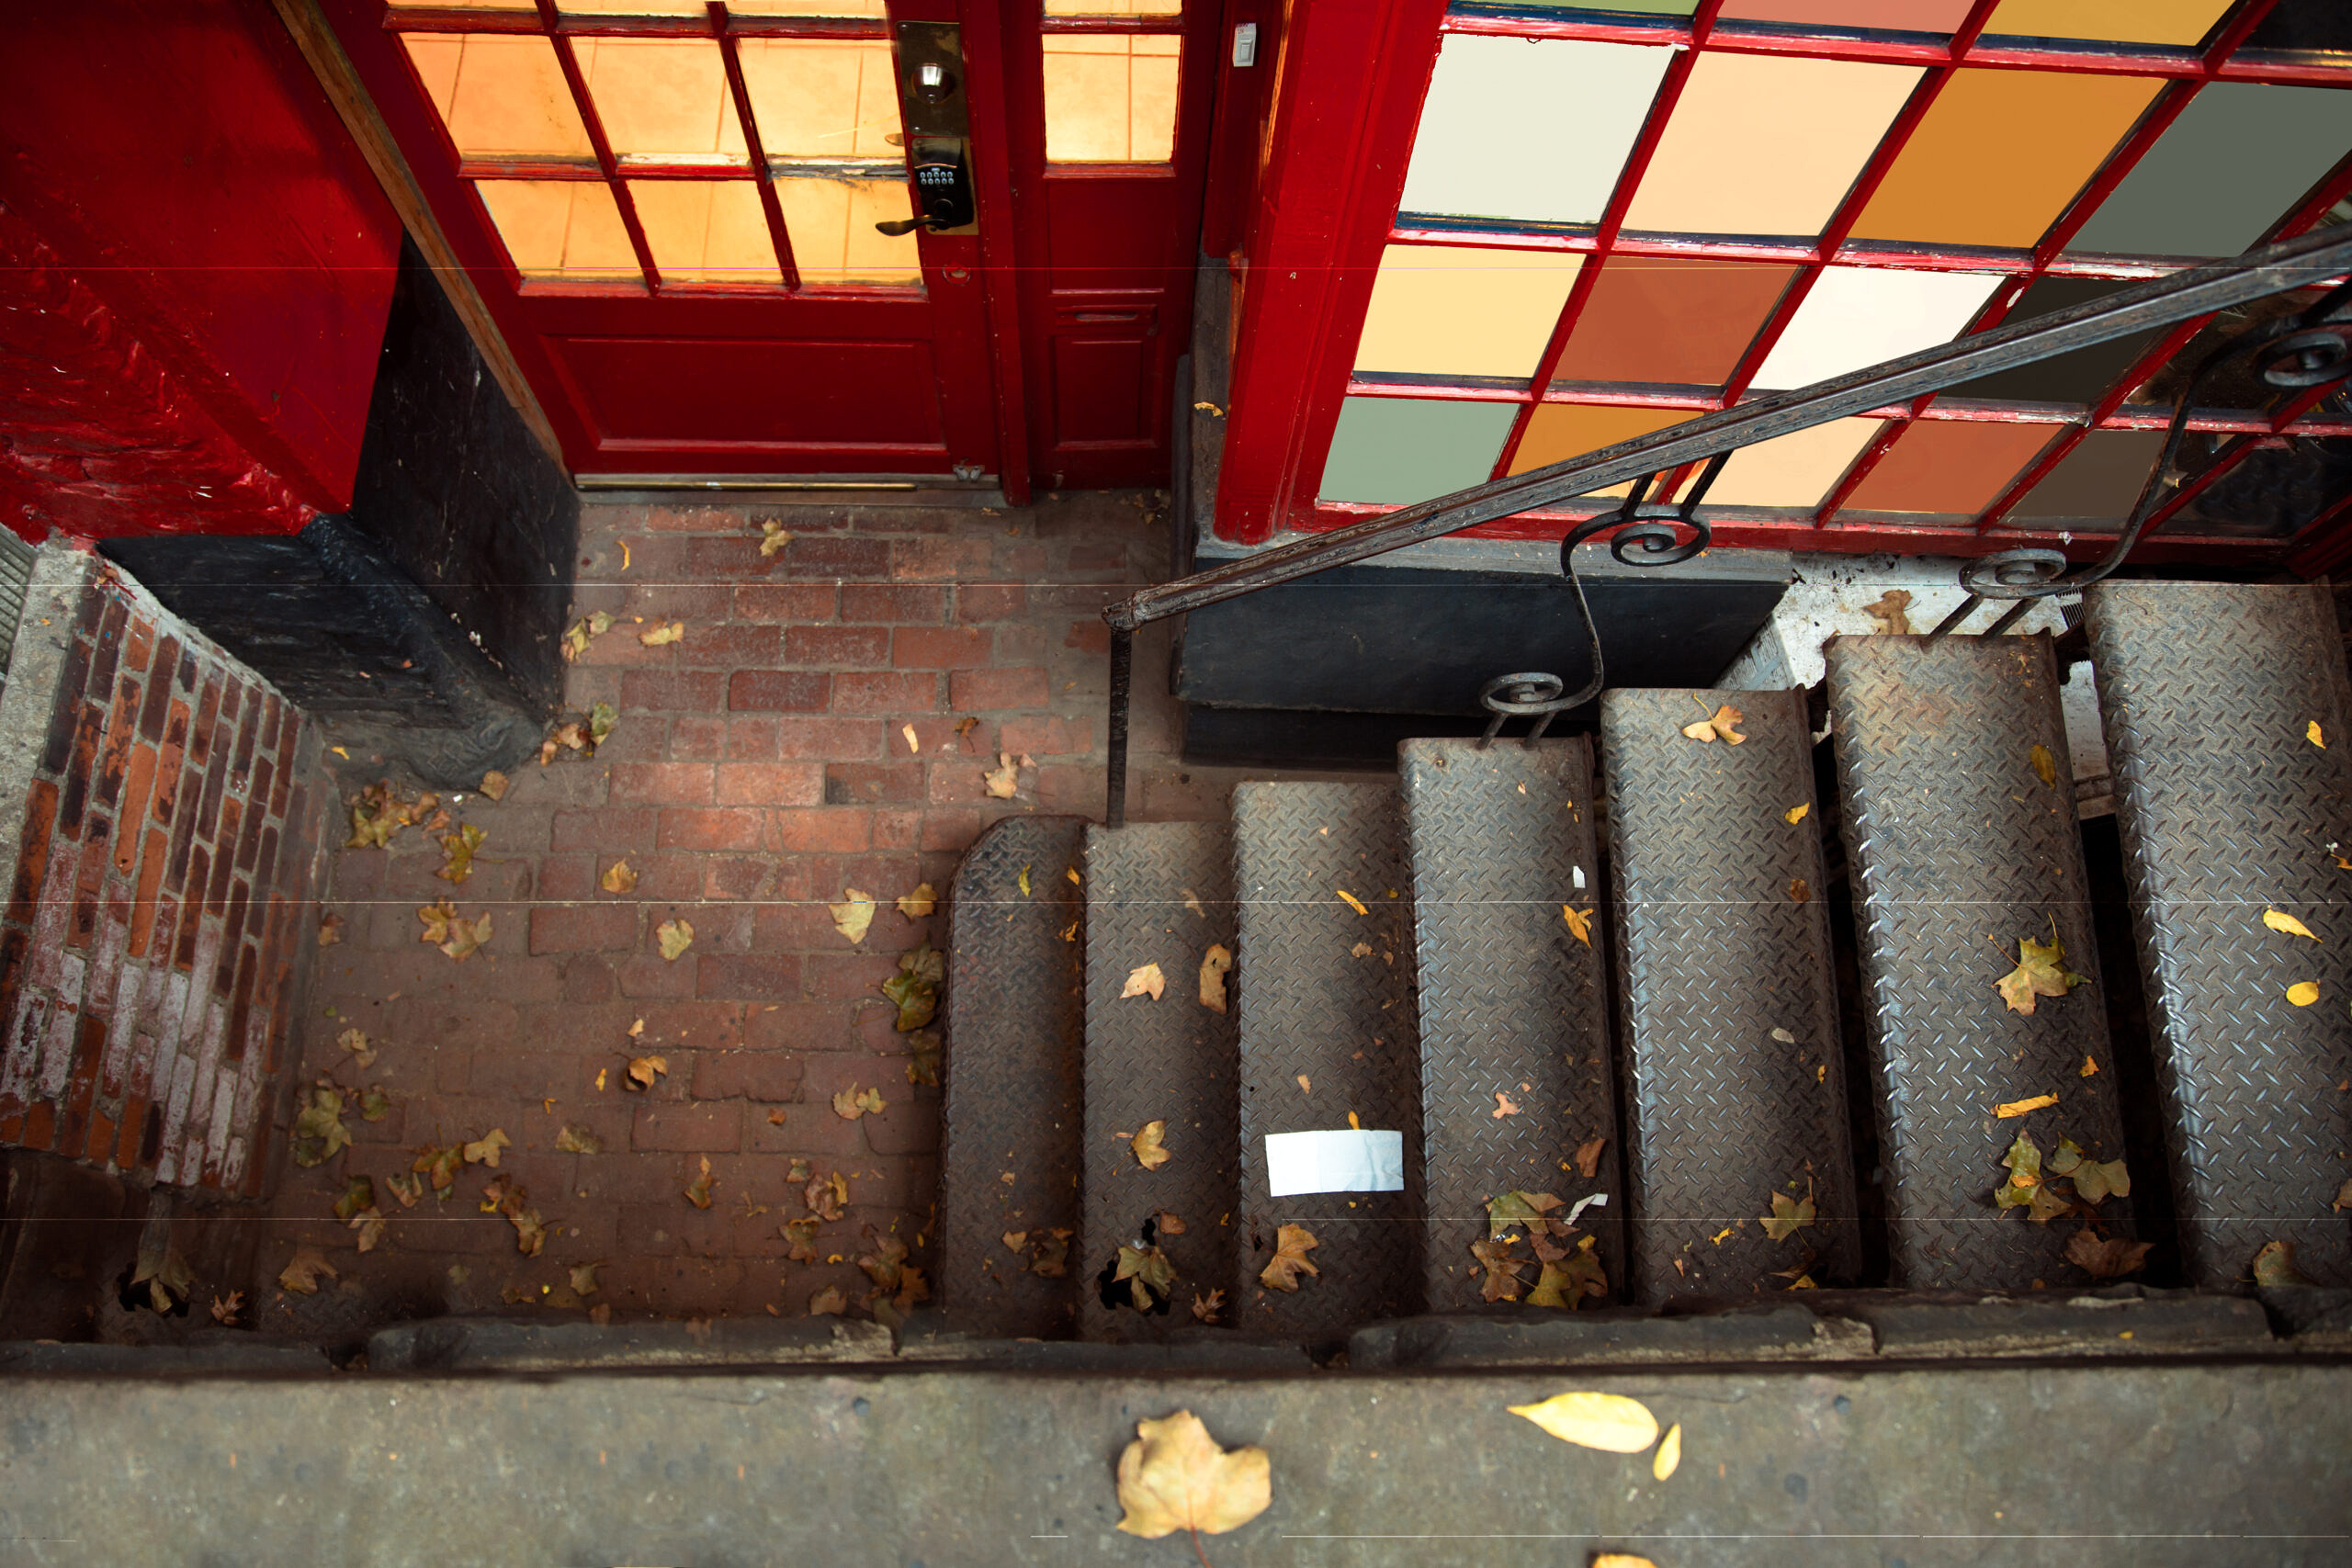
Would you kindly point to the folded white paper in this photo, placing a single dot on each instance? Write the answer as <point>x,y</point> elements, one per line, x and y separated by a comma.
<point>1345,1159</point>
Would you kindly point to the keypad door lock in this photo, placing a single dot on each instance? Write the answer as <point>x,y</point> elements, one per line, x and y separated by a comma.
<point>942,190</point>
<point>929,61</point>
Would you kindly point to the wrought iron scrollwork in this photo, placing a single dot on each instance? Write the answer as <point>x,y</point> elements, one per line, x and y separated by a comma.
<point>1640,534</point>
<point>2296,353</point>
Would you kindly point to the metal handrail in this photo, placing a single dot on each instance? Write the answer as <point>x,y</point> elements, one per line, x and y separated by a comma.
<point>2298,263</point>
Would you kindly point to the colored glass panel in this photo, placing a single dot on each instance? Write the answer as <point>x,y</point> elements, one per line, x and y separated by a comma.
<point>567,229</point>
<point>1859,316</point>
<point>1900,16</point>
<point>822,97</point>
<point>2000,153</point>
<point>1558,432</point>
<point>1670,320</point>
<point>662,99</point>
<point>2093,486</point>
<point>1796,469</point>
<point>699,11</point>
<point>500,94</point>
<point>1113,7</point>
<point>830,224</point>
<point>2081,376</point>
<point>1111,97</point>
<point>1534,130</point>
<point>2111,21</point>
<point>2238,158</point>
<point>1462,310</point>
<point>706,230</point>
<point>1948,466</point>
<point>1767,143</point>
<point>1638,7</point>
<point>1395,451</point>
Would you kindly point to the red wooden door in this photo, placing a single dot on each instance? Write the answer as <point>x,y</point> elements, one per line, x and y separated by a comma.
<point>671,215</point>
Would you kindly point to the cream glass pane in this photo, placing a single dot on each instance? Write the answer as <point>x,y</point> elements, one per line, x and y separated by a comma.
<point>462,5</point>
<point>1454,310</point>
<point>662,99</point>
<point>1858,316</point>
<point>500,94</point>
<point>1767,143</point>
<point>822,97</point>
<point>697,8</point>
<point>1531,129</point>
<point>1791,471</point>
<point>706,230</point>
<point>560,228</point>
<point>1111,97</point>
<point>831,223</point>
<point>1113,7</point>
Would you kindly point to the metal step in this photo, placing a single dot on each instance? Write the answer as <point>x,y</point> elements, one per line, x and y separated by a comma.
<point>1727,997</point>
<point>1015,1040</point>
<point>1311,1007</point>
<point>1158,893</point>
<point>1958,849</point>
<point>2228,809</point>
<point>1514,1025</point>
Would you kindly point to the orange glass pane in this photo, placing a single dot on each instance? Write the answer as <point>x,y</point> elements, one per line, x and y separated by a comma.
<point>695,8</point>
<point>1463,310</point>
<point>1903,16</point>
<point>1948,466</point>
<point>662,99</point>
<point>462,5</point>
<point>831,223</point>
<point>1111,97</point>
<point>1558,432</point>
<point>2114,21</point>
<point>1670,319</point>
<point>1796,469</point>
<point>706,230</point>
<point>569,229</point>
<point>2000,154</point>
<point>822,97</point>
<point>1113,7</point>
<point>498,95</point>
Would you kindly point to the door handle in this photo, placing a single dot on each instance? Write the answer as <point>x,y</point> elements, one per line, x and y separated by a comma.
<point>899,226</point>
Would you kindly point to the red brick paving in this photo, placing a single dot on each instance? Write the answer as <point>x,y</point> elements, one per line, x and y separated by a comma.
<point>759,768</point>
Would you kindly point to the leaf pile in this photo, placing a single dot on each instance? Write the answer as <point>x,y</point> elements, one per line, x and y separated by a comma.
<point>503,1197</point>
<point>458,853</point>
<point>2043,1190</point>
<point>899,1285</point>
<point>319,1133</point>
<point>579,632</point>
<point>451,932</point>
<point>582,734</point>
<point>1565,1274</point>
<point>378,814</point>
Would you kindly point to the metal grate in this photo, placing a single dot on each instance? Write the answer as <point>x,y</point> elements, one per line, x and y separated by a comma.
<point>16,572</point>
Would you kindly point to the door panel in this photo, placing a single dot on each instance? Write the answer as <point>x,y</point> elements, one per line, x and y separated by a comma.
<point>832,397</point>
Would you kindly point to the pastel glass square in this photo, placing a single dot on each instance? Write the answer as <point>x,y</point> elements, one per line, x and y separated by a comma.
<point>1899,15</point>
<point>831,225</point>
<point>2238,158</point>
<point>560,228</point>
<point>1766,143</point>
<point>701,12</point>
<point>1859,316</point>
<point>1672,320</point>
<point>822,97</point>
<point>1948,466</point>
<point>1529,129</point>
<point>498,95</point>
<point>1113,7</point>
<point>662,99</point>
<point>1395,451</point>
<point>1111,97</point>
<point>2093,487</point>
<point>1460,310</point>
<point>1791,471</point>
<point>2114,21</point>
<point>1558,432</point>
<point>706,230</point>
<point>2000,153</point>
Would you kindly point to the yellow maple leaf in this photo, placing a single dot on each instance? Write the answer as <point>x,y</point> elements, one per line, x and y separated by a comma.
<point>1721,725</point>
<point>853,915</point>
<point>1175,1477</point>
<point>1292,1244</point>
<point>1151,1146</point>
<point>618,878</point>
<point>663,632</point>
<point>674,936</point>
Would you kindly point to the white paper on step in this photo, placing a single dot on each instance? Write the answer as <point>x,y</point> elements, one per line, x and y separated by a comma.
<point>1344,1159</point>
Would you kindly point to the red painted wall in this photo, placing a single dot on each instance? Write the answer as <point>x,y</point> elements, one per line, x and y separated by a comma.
<point>178,158</point>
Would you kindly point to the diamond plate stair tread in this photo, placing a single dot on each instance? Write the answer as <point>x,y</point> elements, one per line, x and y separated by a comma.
<point>1511,1001</point>
<point>1714,954</point>
<point>1306,1004</point>
<point>1012,1076</point>
<point>1959,850</point>
<point>2226,809</point>
<point>1171,1060</point>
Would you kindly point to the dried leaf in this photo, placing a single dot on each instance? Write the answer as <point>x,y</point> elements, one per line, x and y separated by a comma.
<point>914,906</point>
<point>1149,1275</point>
<point>1788,1217</point>
<point>1501,1280</point>
<point>484,1149</point>
<point>356,1041</point>
<point>457,853</point>
<point>1050,1255</point>
<point>583,1279</point>
<point>643,1070</point>
<point>1793,816</point>
<point>2025,1188</point>
<point>330,930</point>
<point>2011,1107</point>
<point>370,1224</point>
<point>1891,611</point>
<point>2041,972</point>
<point>2275,1264</point>
<point>1003,781</point>
<point>1175,1477</point>
<point>439,1164</point>
<point>802,1234</point>
<point>1564,1282</point>
<point>1520,1208</point>
<point>915,988</point>
<point>853,915</point>
<point>2089,1067</point>
<point>1580,922</point>
<point>1588,1156</point>
<point>661,632</point>
<point>2106,1258</point>
<point>1800,892</point>
<point>495,784</point>
<point>319,1134</point>
<point>2287,923</point>
<point>1668,1457</point>
<point>698,1191</point>
<point>1504,1106</point>
<point>451,932</point>
<point>1207,1309</point>
<point>618,878</point>
<point>374,1104</point>
<point>2045,766</point>
<point>1164,1222</point>
<point>1022,880</point>
<point>600,719</point>
<point>358,1193</point>
<point>301,1274</point>
<point>2303,993</point>
<point>922,1065</point>
<point>854,1102</point>
<point>2312,733</point>
<point>1610,1422</point>
<point>826,1196</point>
<point>1144,981</point>
<point>1151,1151</point>
<point>1351,901</point>
<point>828,1302</point>
<point>773,537</point>
<point>1216,964</point>
<point>577,1140</point>
<point>226,1308</point>
<point>1292,1244</point>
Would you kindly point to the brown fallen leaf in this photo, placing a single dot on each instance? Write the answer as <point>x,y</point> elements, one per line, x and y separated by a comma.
<point>484,1149</point>
<point>583,1278</point>
<point>1501,1281</point>
<point>826,1196</point>
<point>2343,1198</point>
<point>2089,1067</point>
<point>2275,1264</point>
<point>1175,1477</point>
<point>1566,1282</point>
<point>318,1132</point>
<point>1150,1150</point>
<point>1207,1309</point>
<point>2277,921</point>
<point>2094,1179</point>
<point>457,853</point>
<point>674,936</point>
<point>330,930</point>
<point>661,632</point>
<point>1292,1244</point>
<point>1721,725</point>
<point>1788,1217</point>
<point>1504,1106</point>
<point>914,906</point>
<point>301,1274</point>
<point>853,1102</point>
<point>1610,1422</point>
<point>370,1224</point>
<point>643,1070</point>
<point>2025,1188</point>
<point>1892,612</point>
<point>618,878</point>
<point>1580,922</point>
<point>451,932</point>
<point>2041,972</point>
<point>915,988</point>
<point>1216,964</point>
<point>2045,766</point>
<point>495,784</point>
<point>1588,1156</point>
<point>2106,1258</point>
<point>356,1041</point>
<point>698,1191</point>
<point>773,537</point>
<point>1800,892</point>
<point>1145,980</point>
<point>226,1308</point>
<point>828,1302</point>
<point>1050,1256</point>
<point>854,915</point>
<point>1003,781</point>
<point>575,1139</point>
<point>439,1164</point>
<point>1016,1241</point>
<point>2011,1107</point>
<point>802,1235</point>
<point>1147,1274</point>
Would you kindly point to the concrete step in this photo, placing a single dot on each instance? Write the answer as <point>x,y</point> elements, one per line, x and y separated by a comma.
<point>2227,809</point>
<point>1727,998</point>
<point>1514,1019</point>
<point>1158,893</point>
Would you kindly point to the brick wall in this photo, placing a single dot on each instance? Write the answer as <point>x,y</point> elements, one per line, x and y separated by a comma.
<point>168,803</point>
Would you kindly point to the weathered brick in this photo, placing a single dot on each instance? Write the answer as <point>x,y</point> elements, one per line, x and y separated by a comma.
<point>997,689</point>
<point>727,647</point>
<point>863,648</point>
<point>821,830</point>
<point>584,928</point>
<point>807,557</point>
<point>577,831</point>
<point>747,1075</point>
<point>891,691</point>
<point>778,691</point>
<point>717,828</point>
<point>687,1129</point>
<point>672,691</point>
<point>697,739</point>
<point>32,861</point>
<point>939,647</point>
<point>977,602</point>
<point>874,784</point>
<point>767,977</point>
<point>896,603</point>
<point>1047,736</point>
<point>829,738</point>
<point>661,784</point>
<point>786,602</point>
<point>1089,636</point>
<point>770,783</point>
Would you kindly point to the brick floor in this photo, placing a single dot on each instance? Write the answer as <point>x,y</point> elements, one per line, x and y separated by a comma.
<point>760,767</point>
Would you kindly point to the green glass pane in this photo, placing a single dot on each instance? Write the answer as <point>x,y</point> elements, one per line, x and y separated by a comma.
<point>2227,169</point>
<point>1395,451</point>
